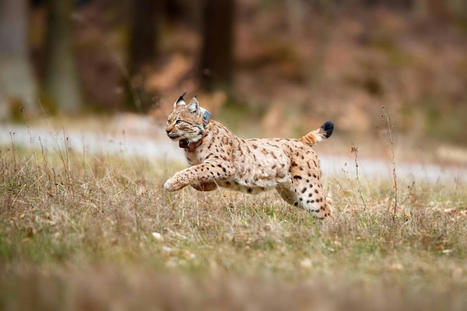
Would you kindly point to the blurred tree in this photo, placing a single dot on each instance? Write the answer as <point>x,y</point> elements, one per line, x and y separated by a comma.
<point>403,4</point>
<point>142,50</point>
<point>173,10</point>
<point>17,83</point>
<point>439,9</point>
<point>61,82</point>
<point>183,13</point>
<point>218,41</point>
<point>143,34</point>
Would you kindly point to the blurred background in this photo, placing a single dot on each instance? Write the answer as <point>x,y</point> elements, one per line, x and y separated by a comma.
<point>264,67</point>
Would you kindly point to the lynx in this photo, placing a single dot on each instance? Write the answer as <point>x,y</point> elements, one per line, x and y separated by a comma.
<point>218,158</point>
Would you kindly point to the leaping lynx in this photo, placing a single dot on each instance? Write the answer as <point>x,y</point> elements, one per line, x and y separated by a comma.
<point>219,158</point>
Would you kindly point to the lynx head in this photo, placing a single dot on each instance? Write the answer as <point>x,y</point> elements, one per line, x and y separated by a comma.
<point>185,122</point>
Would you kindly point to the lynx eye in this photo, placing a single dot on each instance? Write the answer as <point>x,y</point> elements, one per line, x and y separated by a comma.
<point>178,121</point>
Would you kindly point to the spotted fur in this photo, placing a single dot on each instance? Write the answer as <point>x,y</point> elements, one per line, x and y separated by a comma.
<point>219,158</point>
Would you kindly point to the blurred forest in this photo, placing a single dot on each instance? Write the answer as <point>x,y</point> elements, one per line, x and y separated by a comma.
<point>282,66</point>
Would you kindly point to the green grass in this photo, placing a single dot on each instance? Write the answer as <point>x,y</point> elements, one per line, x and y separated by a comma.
<point>77,233</point>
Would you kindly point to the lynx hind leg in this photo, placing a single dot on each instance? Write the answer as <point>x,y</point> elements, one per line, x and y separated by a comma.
<point>292,195</point>
<point>205,186</point>
<point>307,186</point>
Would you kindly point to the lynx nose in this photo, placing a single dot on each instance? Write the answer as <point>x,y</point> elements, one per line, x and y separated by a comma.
<point>167,131</point>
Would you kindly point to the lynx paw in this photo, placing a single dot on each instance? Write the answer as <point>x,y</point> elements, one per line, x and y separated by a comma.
<point>172,185</point>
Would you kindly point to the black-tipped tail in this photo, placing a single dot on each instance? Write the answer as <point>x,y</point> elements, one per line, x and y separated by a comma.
<point>328,128</point>
<point>315,136</point>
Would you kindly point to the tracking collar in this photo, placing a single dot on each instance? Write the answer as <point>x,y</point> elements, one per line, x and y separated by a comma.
<point>206,116</point>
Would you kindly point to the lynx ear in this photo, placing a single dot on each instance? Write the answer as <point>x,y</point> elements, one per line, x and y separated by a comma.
<point>180,101</point>
<point>194,105</point>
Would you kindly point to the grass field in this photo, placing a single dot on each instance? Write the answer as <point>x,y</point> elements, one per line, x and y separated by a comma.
<point>99,233</point>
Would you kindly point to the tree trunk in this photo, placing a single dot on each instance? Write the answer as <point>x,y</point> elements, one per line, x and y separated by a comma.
<point>142,51</point>
<point>217,47</point>
<point>61,81</point>
<point>143,34</point>
<point>174,10</point>
<point>17,82</point>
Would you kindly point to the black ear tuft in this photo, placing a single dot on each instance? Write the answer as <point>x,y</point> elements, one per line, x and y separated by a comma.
<point>328,128</point>
<point>181,97</point>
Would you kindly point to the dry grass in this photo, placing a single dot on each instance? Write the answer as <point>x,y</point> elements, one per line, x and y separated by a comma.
<point>76,233</point>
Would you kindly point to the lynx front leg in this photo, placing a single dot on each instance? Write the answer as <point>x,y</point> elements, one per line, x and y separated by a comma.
<point>199,174</point>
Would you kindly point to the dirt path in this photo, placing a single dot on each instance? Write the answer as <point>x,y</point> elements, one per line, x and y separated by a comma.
<point>163,149</point>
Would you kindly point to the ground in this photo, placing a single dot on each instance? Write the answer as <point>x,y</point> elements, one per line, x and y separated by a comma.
<point>98,232</point>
